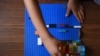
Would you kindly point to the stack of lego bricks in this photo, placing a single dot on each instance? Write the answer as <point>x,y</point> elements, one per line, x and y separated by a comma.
<point>72,48</point>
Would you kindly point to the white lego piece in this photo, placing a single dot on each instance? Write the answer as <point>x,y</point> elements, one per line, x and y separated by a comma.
<point>47,26</point>
<point>39,41</point>
<point>77,26</point>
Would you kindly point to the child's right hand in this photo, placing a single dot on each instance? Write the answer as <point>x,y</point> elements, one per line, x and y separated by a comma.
<point>52,45</point>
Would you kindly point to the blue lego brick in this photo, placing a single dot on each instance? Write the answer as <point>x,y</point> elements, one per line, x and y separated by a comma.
<point>52,14</point>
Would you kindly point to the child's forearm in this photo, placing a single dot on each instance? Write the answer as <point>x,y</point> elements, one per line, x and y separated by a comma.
<point>36,17</point>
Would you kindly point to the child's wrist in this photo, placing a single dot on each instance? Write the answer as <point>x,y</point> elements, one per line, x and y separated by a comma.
<point>45,36</point>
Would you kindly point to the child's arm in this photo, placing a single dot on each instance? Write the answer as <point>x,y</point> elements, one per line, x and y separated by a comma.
<point>36,17</point>
<point>77,9</point>
<point>49,42</point>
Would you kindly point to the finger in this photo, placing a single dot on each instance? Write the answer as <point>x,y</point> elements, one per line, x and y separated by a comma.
<point>82,7</point>
<point>80,17</point>
<point>53,55</point>
<point>59,54</point>
<point>68,12</point>
<point>82,14</point>
<point>76,15</point>
<point>83,11</point>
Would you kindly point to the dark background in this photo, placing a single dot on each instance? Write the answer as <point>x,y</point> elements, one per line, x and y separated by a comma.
<point>12,27</point>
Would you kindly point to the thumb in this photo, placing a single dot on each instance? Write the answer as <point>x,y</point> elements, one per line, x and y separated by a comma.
<point>59,54</point>
<point>68,12</point>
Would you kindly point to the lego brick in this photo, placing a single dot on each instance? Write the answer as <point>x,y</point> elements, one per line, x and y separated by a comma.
<point>39,41</point>
<point>62,26</point>
<point>62,30</point>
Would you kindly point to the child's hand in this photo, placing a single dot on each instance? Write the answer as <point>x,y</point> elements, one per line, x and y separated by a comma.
<point>52,45</point>
<point>77,9</point>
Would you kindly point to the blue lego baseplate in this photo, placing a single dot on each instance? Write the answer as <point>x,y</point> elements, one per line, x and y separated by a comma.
<point>52,14</point>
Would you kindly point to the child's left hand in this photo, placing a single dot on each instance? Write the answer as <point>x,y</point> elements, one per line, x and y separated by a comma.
<point>77,9</point>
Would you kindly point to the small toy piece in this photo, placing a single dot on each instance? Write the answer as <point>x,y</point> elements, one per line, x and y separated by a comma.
<point>61,26</point>
<point>62,30</point>
<point>51,26</point>
<point>39,41</point>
